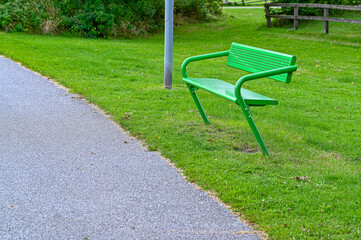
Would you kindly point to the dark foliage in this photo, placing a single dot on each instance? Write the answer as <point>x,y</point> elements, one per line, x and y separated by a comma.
<point>97,18</point>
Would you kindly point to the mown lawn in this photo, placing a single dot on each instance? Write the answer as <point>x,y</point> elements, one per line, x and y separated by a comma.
<point>310,187</point>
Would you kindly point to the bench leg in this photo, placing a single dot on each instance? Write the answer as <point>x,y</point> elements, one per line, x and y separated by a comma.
<point>255,131</point>
<point>198,103</point>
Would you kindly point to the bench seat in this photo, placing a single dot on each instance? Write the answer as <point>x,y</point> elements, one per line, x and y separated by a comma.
<point>226,90</point>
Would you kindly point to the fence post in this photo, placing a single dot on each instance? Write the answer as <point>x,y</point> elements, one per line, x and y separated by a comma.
<point>269,23</point>
<point>295,21</point>
<point>326,12</point>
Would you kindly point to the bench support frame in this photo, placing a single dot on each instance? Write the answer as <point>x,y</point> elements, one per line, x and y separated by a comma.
<point>193,90</point>
<point>249,118</point>
<point>237,90</point>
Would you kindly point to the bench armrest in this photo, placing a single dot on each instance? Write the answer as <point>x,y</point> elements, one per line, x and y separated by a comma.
<point>200,57</point>
<point>242,80</point>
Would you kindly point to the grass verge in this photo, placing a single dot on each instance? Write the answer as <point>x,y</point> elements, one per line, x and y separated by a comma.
<point>309,188</point>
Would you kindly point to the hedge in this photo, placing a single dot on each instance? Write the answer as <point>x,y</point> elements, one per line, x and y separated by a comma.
<point>97,18</point>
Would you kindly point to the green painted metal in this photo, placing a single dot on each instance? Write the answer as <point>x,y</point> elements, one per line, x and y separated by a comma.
<point>260,62</point>
<point>226,90</point>
<point>242,103</point>
<point>252,59</point>
<point>200,57</point>
<point>192,90</point>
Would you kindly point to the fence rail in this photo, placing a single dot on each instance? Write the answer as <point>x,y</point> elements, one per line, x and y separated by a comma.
<point>326,9</point>
<point>253,2</point>
<point>247,2</point>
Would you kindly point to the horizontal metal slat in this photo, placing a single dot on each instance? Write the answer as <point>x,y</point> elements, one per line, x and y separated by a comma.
<point>253,60</point>
<point>253,69</point>
<point>277,58</point>
<point>237,47</point>
<point>249,68</point>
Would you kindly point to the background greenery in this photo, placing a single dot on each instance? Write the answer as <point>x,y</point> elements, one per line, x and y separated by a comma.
<point>309,188</point>
<point>97,18</point>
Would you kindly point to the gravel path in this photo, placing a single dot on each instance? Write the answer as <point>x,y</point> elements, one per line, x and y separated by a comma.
<point>67,172</point>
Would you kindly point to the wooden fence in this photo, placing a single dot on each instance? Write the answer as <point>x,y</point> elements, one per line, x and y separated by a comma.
<point>253,2</point>
<point>248,2</point>
<point>326,9</point>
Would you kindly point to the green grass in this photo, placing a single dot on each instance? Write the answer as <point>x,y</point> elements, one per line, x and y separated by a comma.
<point>313,132</point>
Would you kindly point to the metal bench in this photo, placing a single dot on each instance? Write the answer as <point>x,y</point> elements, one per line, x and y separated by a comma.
<point>259,62</point>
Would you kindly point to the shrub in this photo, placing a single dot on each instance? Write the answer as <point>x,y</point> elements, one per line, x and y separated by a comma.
<point>97,18</point>
<point>21,15</point>
<point>92,21</point>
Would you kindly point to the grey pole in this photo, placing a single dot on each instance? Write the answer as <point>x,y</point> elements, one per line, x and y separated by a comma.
<point>168,44</point>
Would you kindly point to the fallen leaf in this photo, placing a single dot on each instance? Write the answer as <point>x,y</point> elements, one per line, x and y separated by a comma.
<point>301,178</point>
<point>127,116</point>
<point>304,178</point>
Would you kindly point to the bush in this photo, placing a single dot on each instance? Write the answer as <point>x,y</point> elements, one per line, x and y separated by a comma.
<point>92,22</point>
<point>97,18</point>
<point>21,15</point>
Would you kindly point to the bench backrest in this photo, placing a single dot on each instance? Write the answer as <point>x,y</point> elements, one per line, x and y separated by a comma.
<point>252,59</point>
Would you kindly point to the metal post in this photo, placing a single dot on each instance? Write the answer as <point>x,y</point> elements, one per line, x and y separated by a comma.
<point>326,12</point>
<point>168,44</point>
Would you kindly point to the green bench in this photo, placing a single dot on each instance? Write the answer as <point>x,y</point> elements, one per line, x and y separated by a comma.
<point>259,62</point>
